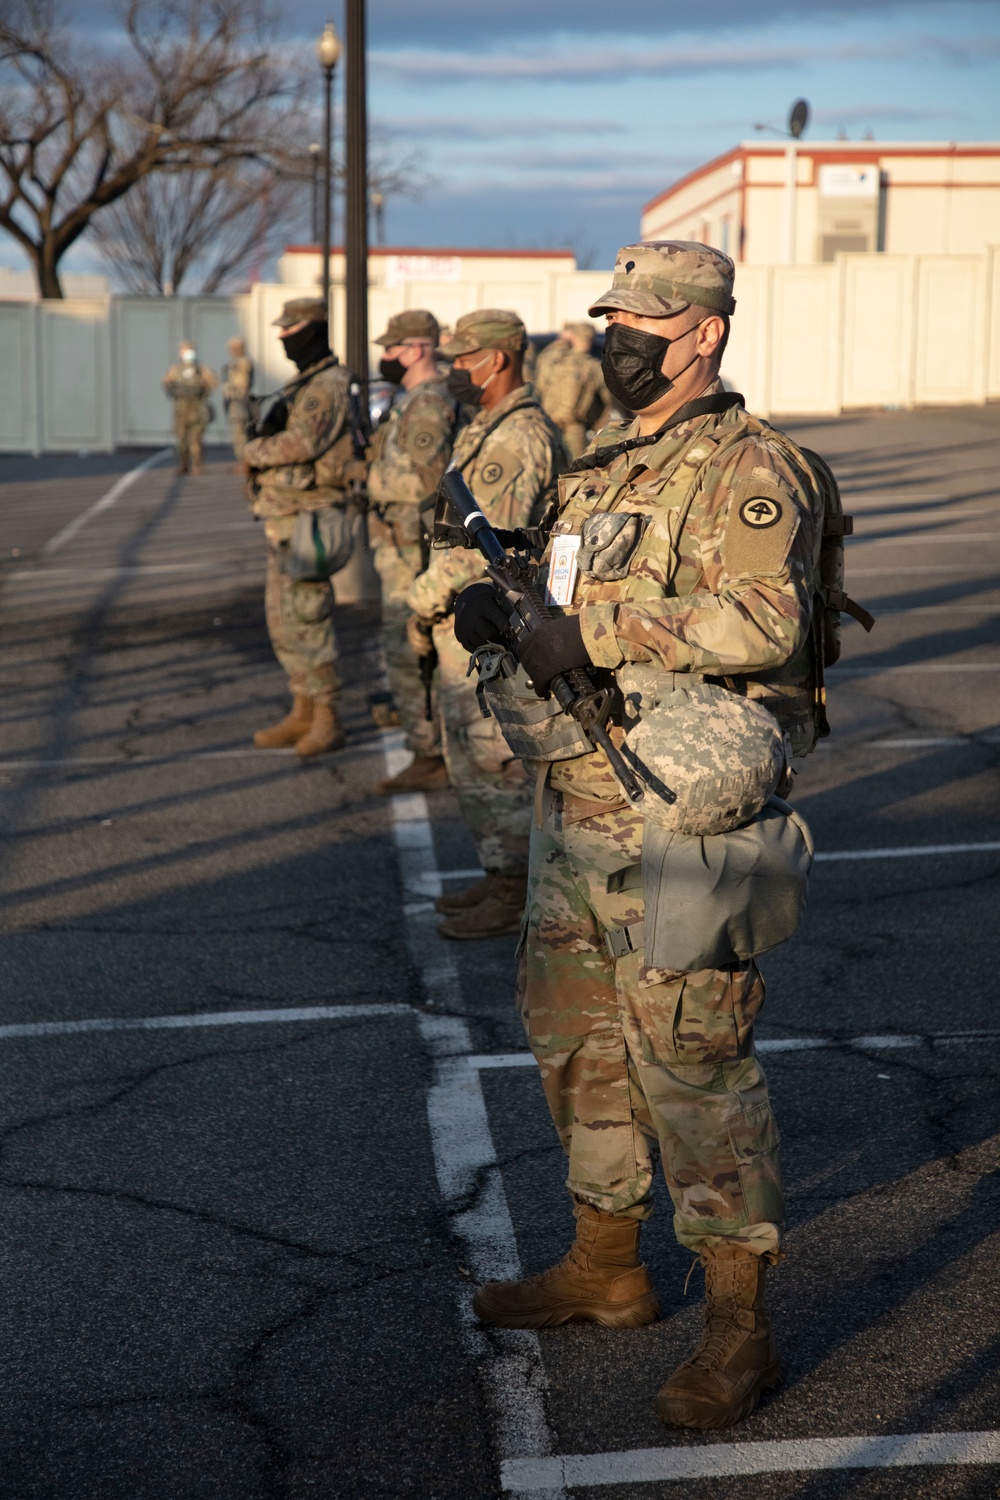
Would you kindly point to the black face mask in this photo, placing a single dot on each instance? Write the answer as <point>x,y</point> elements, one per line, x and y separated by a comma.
<point>308,345</point>
<point>461,386</point>
<point>392,370</point>
<point>631,365</point>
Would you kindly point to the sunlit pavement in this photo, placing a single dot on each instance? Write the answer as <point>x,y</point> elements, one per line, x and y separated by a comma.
<point>238,1253</point>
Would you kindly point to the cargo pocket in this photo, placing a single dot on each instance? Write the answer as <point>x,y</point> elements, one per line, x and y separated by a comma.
<point>755,1142</point>
<point>311,602</point>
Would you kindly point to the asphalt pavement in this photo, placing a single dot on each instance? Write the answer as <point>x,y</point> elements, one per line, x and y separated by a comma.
<point>243,1214</point>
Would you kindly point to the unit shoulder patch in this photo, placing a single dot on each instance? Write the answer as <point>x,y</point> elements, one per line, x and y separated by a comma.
<point>761,522</point>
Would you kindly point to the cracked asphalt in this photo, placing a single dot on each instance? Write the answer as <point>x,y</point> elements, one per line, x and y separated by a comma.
<point>228,1271</point>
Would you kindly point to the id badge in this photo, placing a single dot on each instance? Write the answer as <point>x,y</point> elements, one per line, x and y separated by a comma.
<point>561,579</point>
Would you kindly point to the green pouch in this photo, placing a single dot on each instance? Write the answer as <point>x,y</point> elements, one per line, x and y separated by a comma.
<point>721,898</point>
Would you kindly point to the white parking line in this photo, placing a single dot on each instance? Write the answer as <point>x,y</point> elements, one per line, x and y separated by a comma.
<point>202,1018</point>
<point>57,542</point>
<point>724,1460</point>
<point>911,851</point>
<point>510,1360</point>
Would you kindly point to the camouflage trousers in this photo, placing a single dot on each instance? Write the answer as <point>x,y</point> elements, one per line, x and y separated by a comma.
<point>189,430</point>
<point>239,415</point>
<point>299,620</point>
<point>495,793</point>
<point>631,1055</point>
<point>397,567</point>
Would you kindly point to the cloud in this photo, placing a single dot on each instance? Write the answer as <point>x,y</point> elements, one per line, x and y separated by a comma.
<point>457,128</point>
<point>574,64</point>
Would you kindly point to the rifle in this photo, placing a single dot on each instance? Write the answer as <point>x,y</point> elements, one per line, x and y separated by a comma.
<point>360,438</point>
<point>574,691</point>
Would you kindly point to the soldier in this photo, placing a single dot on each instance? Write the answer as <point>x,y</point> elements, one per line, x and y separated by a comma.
<point>509,455</point>
<point>708,521</point>
<point>305,464</point>
<point>571,388</point>
<point>188,385</point>
<point>237,379</point>
<point>408,456</point>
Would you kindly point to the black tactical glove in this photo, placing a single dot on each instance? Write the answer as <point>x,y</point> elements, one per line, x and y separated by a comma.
<point>480,617</point>
<point>556,647</point>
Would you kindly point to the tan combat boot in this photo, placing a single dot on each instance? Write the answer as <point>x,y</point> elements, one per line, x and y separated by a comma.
<point>325,732</point>
<point>291,728</point>
<point>425,773</point>
<point>600,1281</point>
<point>736,1360</point>
<point>500,910</point>
<point>455,901</point>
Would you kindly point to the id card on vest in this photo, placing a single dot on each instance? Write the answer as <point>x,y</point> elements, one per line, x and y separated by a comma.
<point>561,579</point>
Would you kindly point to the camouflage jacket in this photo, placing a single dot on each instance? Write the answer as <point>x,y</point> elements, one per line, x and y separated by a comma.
<point>720,582</point>
<point>509,457</point>
<point>572,389</point>
<point>189,385</point>
<point>237,378</point>
<point>408,455</point>
<point>309,464</point>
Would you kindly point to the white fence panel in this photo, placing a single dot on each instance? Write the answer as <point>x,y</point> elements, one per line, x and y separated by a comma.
<point>147,334</point>
<point>18,379</point>
<point>878,327</point>
<point>210,323</point>
<point>951,330</point>
<point>746,363</point>
<point>76,376</point>
<point>805,339</point>
<point>573,293</point>
<point>993,326</point>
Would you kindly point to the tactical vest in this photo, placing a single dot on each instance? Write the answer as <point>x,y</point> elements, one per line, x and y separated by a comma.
<point>638,560</point>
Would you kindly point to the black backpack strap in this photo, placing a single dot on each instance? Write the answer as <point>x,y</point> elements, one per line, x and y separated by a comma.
<point>702,406</point>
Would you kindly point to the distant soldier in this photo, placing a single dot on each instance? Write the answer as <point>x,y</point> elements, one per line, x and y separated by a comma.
<point>305,463</point>
<point>509,455</point>
<point>188,384</point>
<point>408,456</point>
<point>571,388</point>
<point>538,363</point>
<point>237,379</point>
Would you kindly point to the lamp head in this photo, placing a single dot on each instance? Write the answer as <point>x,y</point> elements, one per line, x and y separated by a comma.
<point>328,46</point>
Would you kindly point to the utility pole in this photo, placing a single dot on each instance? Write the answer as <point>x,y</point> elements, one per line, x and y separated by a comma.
<point>328,52</point>
<point>356,236</point>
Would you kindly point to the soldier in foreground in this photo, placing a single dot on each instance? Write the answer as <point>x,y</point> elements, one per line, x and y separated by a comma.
<point>408,456</point>
<point>689,541</point>
<point>189,384</point>
<point>237,379</point>
<point>509,454</point>
<point>571,388</point>
<point>306,464</point>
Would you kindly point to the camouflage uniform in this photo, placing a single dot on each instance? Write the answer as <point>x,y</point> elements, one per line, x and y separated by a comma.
<point>237,379</point>
<point>509,456</point>
<point>572,391</point>
<point>628,1053</point>
<point>409,454</point>
<point>189,386</point>
<point>307,466</point>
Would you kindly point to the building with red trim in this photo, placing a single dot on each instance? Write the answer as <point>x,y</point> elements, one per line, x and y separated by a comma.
<point>768,202</point>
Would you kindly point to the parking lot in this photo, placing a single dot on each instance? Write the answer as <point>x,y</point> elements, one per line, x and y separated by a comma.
<point>263,1131</point>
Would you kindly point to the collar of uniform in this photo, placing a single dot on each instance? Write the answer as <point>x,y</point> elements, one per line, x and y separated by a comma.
<point>328,363</point>
<point>659,454</point>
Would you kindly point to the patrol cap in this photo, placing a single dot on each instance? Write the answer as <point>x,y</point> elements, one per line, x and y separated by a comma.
<point>302,310</point>
<point>414,323</point>
<point>487,328</point>
<point>710,759</point>
<point>665,276</point>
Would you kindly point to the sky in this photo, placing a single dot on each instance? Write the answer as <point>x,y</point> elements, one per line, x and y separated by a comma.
<point>548,123</point>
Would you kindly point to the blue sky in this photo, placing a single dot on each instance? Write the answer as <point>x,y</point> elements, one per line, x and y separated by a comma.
<point>549,124</point>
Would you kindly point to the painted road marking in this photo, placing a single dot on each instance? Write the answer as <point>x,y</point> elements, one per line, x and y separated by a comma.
<point>202,1018</point>
<point>509,1360</point>
<point>724,1460</point>
<point>57,542</point>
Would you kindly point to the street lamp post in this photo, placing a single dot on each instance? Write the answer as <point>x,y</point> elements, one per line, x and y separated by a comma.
<point>314,160</point>
<point>328,52</point>
<point>378,207</point>
<point>356,235</point>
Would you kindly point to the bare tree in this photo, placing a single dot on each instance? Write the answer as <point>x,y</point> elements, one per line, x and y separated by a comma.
<point>197,84</point>
<point>207,225</point>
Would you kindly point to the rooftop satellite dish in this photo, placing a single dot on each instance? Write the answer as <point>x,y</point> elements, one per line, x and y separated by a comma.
<point>798,118</point>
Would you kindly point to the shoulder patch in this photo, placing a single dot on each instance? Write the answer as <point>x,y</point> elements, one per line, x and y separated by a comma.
<point>501,467</point>
<point>760,524</point>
